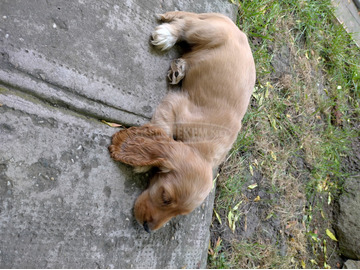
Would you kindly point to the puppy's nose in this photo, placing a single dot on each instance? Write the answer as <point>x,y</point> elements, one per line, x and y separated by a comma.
<point>146,227</point>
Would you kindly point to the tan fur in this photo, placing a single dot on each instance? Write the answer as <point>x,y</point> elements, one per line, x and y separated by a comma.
<point>204,118</point>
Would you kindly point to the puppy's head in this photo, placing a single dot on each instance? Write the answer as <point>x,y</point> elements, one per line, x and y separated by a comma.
<point>183,181</point>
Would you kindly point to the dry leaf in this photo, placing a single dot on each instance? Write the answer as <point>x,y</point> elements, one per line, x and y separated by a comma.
<point>269,216</point>
<point>217,216</point>
<point>111,124</point>
<point>214,181</point>
<point>330,234</point>
<point>273,155</point>
<point>272,122</point>
<point>329,198</point>
<point>237,206</point>
<point>230,218</point>
<point>252,186</point>
<point>251,170</point>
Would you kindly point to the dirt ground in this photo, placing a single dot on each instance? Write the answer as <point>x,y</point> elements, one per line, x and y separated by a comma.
<point>258,225</point>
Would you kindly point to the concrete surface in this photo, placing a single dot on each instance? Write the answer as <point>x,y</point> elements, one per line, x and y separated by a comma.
<point>65,65</point>
<point>348,15</point>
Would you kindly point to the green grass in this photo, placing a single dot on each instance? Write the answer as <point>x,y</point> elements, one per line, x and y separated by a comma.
<point>305,113</point>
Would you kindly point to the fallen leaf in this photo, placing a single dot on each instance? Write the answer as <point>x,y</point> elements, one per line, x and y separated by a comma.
<point>267,93</point>
<point>329,198</point>
<point>273,155</point>
<point>331,235</point>
<point>256,96</point>
<point>233,217</point>
<point>261,100</point>
<point>268,85</point>
<point>236,218</point>
<point>217,216</point>
<point>251,170</point>
<point>257,198</point>
<point>214,181</point>
<point>252,186</point>
<point>111,124</point>
<point>272,122</point>
<point>269,216</point>
<point>237,206</point>
<point>230,218</point>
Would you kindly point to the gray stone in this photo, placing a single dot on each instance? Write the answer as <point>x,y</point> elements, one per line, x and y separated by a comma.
<point>347,222</point>
<point>65,65</point>
<point>351,264</point>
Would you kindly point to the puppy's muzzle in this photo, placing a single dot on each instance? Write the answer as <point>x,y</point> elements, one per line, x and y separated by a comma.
<point>146,227</point>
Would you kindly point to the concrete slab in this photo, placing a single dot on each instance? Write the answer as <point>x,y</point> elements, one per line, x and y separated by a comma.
<point>348,15</point>
<point>63,202</point>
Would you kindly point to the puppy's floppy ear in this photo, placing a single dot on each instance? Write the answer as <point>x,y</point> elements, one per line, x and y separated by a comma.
<point>142,146</point>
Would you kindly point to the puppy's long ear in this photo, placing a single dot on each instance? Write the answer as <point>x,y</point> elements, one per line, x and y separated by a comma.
<point>142,146</point>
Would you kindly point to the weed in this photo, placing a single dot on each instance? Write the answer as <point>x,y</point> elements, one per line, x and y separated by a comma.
<point>294,137</point>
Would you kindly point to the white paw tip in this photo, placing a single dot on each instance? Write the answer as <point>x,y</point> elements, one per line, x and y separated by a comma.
<point>163,37</point>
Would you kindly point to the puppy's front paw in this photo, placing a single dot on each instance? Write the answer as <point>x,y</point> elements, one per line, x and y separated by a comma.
<point>177,71</point>
<point>115,152</point>
<point>164,36</point>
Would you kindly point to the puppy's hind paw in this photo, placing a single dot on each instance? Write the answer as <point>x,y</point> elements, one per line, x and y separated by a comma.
<point>177,71</point>
<point>164,36</point>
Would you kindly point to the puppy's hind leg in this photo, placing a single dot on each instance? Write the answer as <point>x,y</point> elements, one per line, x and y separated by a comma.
<point>165,36</point>
<point>205,29</point>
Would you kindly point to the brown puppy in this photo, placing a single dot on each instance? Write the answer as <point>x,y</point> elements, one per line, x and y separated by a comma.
<point>191,130</point>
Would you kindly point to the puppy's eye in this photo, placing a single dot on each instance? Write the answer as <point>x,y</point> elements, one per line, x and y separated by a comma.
<point>166,200</point>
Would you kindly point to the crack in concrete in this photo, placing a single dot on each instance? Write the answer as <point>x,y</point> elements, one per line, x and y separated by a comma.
<point>5,63</point>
